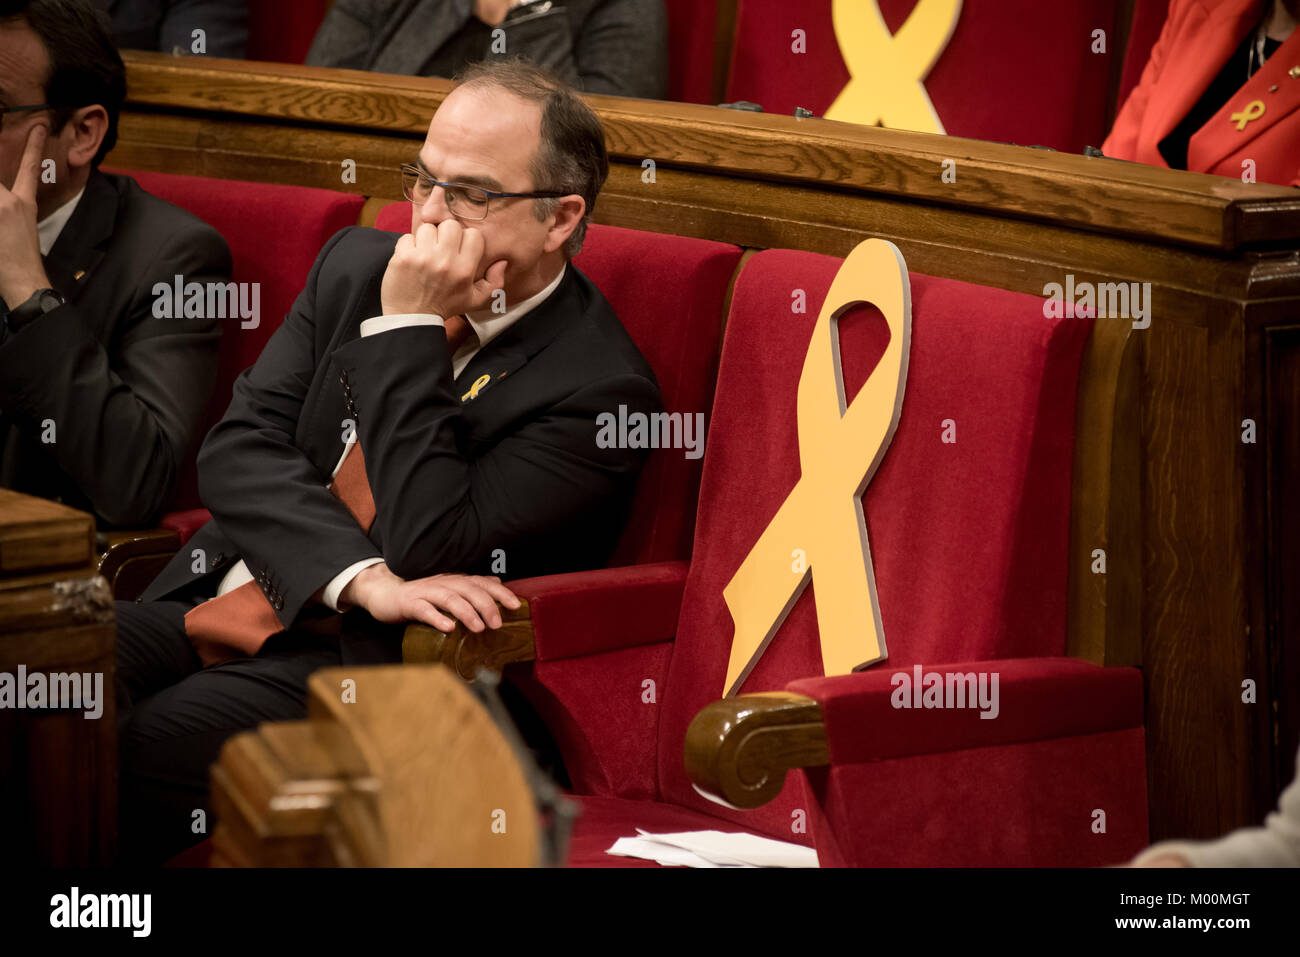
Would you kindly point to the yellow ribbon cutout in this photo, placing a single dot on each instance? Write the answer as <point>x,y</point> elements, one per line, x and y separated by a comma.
<point>819,533</point>
<point>886,69</point>
<point>478,385</point>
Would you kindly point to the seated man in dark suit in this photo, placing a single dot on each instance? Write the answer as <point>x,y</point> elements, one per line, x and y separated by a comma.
<point>467,362</point>
<point>100,400</point>
<point>601,46</point>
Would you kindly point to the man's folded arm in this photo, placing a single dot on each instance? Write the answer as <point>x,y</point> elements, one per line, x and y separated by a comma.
<point>120,426</point>
<point>267,496</point>
<point>439,511</point>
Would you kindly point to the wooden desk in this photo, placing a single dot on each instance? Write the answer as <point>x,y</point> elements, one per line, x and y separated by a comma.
<point>58,768</point>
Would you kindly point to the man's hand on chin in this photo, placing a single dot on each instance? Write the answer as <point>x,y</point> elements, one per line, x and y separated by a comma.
<point>436,600</point>
<point>436,270</point>
<point>21,271</point>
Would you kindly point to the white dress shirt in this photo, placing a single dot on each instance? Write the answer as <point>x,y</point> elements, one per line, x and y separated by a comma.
<point>48,229</point>
<point>487,325</point>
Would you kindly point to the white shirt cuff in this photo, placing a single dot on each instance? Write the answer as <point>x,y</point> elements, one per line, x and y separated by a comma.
<point>378,324</point>
<point>330,596</point>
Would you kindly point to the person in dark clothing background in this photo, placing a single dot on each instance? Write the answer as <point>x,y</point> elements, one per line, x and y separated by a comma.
<point>618,47</point>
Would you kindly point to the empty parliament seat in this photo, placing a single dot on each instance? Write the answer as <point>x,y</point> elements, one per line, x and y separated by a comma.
<point>970,546</point>
<point>1039,81</point>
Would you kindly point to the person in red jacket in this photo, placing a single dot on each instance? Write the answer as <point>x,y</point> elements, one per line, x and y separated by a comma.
<point>1220,93</point>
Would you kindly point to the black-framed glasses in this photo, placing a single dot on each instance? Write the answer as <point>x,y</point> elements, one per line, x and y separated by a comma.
<point>21,109</point>
<point>464,202</point>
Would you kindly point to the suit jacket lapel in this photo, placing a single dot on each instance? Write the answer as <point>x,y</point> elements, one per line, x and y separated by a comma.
<point>1220,138</point>
<point>82,243</point>
<point>1192,66</point>
<point>417,28</point>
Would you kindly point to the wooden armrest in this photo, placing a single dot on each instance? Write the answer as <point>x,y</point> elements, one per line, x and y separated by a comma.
<point>129,559</point>
<point>465,651</point>
<point>738,749</point>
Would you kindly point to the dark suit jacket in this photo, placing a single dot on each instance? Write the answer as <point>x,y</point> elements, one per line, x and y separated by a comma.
<point>168,25</point>
<point>125,391</point>
<point>599,46</point>
<point>517,468</point>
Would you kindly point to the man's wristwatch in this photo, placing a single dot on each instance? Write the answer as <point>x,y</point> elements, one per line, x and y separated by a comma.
<point>38,304</point>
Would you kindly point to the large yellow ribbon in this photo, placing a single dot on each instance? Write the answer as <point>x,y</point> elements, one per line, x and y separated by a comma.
<point>819,533</point>
<point>887,70</point>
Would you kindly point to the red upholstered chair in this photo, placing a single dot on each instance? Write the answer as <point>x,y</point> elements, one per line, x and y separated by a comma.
<point>282,32</point>
<point>692,35</point>
<point>970,547</point>
<point>275,234</point>
<point>669,293</point>
<point>1019,71</point>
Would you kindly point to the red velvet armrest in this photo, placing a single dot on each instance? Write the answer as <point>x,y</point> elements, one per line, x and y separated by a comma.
<point>1037,699</point>
<point>738,749</point>
<point>563,616</point>
<point>186,523</point>
<point>586,613</point>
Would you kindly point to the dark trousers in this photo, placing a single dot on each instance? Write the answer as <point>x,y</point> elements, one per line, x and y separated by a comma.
<point>174,715</point>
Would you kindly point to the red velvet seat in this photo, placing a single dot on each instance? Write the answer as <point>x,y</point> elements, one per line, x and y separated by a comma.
<point>668,291</point>
<point>274,234</point>
<point>1019,71</point>
<point>969,541</point>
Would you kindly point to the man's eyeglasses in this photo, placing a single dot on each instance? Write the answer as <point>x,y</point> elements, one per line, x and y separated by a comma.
<point>21,109</point>
<point>464,202</point>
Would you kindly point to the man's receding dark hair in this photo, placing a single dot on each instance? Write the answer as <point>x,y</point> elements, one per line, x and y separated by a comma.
<point>572,155</point>
<point>85,67</point>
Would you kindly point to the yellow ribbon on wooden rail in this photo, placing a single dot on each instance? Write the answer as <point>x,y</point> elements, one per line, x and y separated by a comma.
<point>819,533</point>
<point>886,69</point>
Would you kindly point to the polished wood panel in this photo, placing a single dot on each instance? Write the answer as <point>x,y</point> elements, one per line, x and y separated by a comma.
<point>36,534</point>
<point>58,766</point>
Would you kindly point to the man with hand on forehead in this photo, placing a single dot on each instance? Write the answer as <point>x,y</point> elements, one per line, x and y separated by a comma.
<point>428,407</point>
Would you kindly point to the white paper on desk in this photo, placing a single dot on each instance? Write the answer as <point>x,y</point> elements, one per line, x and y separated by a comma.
<point>721,849</point>
<point>665,854</point>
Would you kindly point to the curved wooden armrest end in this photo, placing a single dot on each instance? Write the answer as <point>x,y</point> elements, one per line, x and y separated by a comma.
<point>465,651</point>
<point>739,749</point>
<point>129,559</point>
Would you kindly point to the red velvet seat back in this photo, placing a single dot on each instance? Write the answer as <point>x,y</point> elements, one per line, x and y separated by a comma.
<point>692,33</point>
<point>968,538</point>
<point>1013,71</point>
<point>668,291</point>
<point>281,31</point>
<point>274,234</point>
